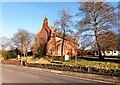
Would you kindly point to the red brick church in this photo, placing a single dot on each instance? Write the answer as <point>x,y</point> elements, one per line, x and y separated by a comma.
<point>50,38</point>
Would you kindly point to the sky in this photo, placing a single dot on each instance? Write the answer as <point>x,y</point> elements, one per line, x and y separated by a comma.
<point>30,15</point>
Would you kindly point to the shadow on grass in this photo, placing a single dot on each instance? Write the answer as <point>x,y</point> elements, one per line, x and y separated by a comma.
<point>106,59</point>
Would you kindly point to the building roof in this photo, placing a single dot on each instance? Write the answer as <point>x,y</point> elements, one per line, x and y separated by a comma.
<point>59,33</point>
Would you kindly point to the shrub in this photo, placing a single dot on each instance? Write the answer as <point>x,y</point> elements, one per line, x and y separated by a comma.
<point>8,55</point>
<point>39,54</point>
<point>58,58</point>
<point>11,55</point>
<point>4,54</point>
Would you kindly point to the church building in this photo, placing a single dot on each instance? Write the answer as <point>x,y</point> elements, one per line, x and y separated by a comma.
<point>50,39</point>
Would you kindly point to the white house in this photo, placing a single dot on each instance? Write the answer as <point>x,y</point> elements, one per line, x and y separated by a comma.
<point>108,53</point>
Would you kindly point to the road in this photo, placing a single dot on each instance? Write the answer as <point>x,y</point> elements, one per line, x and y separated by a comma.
<point>20,74</point>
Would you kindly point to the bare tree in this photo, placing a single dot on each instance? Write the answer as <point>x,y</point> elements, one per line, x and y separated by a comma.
<point>39,47</point>
<point>63,23</point>
<point>98,16</point>
<point>108,41</point>
<point>4,42</point>
<point>23,40</point>
<point>4,45</point>
<point>85,42</point>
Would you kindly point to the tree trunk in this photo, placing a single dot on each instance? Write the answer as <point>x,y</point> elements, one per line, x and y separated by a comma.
<point>62,46</point>
<point>96,35</point>
<point>21,48</point>
<point>97,42</point>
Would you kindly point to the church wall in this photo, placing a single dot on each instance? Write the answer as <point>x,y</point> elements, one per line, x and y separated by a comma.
<point>53,42</point>
<point>68,49</point>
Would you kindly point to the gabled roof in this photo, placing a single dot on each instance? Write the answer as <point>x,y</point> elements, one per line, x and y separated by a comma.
<point>59,33</point>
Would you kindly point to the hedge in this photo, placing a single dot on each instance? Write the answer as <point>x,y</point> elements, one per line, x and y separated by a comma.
<point>81,69</point>
<point>11,55</point>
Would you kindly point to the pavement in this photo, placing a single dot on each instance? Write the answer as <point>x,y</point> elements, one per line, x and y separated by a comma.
<point>93,77</point>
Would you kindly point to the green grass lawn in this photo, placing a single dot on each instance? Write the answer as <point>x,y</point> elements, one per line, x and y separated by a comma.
<point>97,64</point>
<point>89,63</point>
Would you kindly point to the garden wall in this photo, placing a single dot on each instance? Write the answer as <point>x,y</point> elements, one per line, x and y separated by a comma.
<point>93,70</point>
<point>81,69</point>
<point>14,62</point>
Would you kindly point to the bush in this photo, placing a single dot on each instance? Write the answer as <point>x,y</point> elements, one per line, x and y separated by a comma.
<point>39,54</point>
<point>4,54</point>
<point>58,58</point>
<point>11,55</point>
<point>8,55</point>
